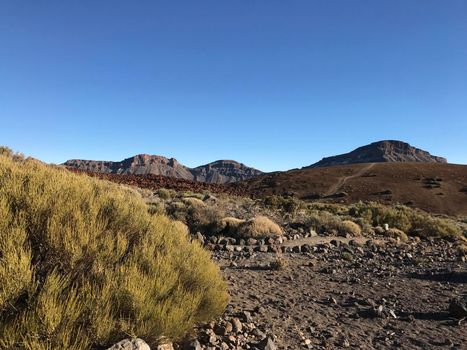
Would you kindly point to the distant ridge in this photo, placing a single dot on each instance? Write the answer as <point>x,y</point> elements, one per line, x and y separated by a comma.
<point>381,151</point>
<point>218,172</point>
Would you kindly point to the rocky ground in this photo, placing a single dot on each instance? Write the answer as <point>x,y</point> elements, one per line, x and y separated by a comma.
<point>336,292</point>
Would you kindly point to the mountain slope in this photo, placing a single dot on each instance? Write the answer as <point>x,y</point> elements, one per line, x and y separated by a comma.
<point>221,171</point>
<point>379,152</point>
<point>434,187</point>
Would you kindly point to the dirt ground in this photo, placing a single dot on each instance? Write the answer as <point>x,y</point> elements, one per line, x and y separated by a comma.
<point>386,295</point>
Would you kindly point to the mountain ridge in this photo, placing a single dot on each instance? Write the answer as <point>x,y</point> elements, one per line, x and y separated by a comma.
<point>218,172</point>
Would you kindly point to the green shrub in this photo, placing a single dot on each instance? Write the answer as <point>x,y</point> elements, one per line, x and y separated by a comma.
<point>83,265</point>
<point>288,205</point>
<point>323,221</point>
<point>413,221</point>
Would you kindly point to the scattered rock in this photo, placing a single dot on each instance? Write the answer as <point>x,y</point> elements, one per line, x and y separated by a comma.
<point>131,344</point>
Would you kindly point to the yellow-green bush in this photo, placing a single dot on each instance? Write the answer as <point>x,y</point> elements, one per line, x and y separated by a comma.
<point>259,227</point>
<point>412,221</point>
<point>83,264</point>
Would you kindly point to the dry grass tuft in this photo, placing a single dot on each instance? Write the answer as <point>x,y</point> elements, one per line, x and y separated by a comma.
<point>351,227</point>
<point>259,227</point>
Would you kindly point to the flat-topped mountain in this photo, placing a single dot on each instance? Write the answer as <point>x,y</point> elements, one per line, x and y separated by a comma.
<point>221,171</point>
<point>379,152</point>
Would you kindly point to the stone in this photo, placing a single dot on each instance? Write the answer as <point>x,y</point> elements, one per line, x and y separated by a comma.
<point>245,316</point>
<point>266,344</point>
<point>237,325</point>
<point>458,307</point>
<point>166,346</point>
<point>193,345</point>
<point>200,238</point>
<point>131,344</point>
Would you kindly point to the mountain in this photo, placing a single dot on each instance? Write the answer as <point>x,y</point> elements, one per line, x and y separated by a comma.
<point>218,172</point>
<point>379,152</point>
<point>224,171</point>
<point>434,187</point>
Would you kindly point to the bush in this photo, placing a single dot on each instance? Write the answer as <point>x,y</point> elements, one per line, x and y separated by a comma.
<point>288,205</point>
<point>259,227</point>
<point>193,202</point>
<point>323,221</point>
<point>351,227</point>
<point>164,193</point>
<point>83,265</point>
<point>396,233</point>
<point>229,226</point>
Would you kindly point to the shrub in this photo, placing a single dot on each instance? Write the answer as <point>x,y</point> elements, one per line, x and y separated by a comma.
<point>83,264</point>
<point>156,208</point>
<point>323,221</point>
<point>396,233</point>
<point>289,205</point>
<point>279,263</point>
<point>229,226</point>
<point>351,227</point>
<point>204,218</point>
<point>194,202</point>
<point>164,193</point>
<point>259,227</point>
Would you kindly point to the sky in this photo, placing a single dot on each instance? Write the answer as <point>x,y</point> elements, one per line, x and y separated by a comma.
<point>273,84</point>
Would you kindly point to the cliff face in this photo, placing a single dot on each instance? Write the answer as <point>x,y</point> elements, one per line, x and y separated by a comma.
<point>221,171</point>
<point>381,151</point>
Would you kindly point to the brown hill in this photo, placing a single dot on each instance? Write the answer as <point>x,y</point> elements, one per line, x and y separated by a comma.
<point>381,151</point>
<point>434,187</point>
<point>218,172</point>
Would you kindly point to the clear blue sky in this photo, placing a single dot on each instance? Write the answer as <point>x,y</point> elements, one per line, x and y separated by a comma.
<point>274,84</point>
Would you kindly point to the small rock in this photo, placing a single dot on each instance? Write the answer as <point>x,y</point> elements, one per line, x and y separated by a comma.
<point>237,325</point>
<point>458,307</point>
<point>266,344</point>
<point>193,345</point>
<point>131,344</point>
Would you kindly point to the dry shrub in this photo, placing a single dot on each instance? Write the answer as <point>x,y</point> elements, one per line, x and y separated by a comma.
<point>194,202</point>
<point>229,226</point>
<point>323,221</point>
<point>259,227</point>
<point>280,262</point>
<point>351,227</point>
<point>83,265</point>
<point>396,233</point>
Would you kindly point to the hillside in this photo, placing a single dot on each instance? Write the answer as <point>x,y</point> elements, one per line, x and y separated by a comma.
<point>379,152</point>
<point>434,187</point>
<point>218,172</point>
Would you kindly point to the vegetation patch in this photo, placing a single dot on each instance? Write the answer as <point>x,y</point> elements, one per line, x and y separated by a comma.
<point>259,227</point>
<point>83,264</point>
